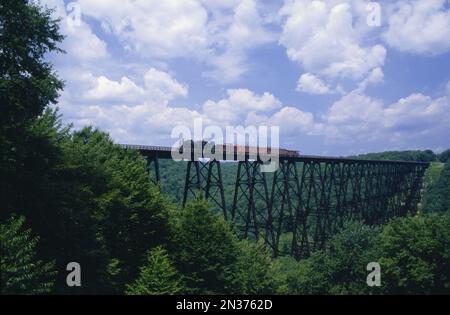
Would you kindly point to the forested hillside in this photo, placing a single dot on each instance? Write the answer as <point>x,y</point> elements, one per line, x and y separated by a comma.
<point>76,196</point>
<point>418,156</point>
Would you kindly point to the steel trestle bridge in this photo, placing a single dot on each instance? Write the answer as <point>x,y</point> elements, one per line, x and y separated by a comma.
<point>306,200</point>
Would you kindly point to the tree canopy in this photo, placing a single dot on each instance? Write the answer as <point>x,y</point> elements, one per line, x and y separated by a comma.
<point>21,271</point>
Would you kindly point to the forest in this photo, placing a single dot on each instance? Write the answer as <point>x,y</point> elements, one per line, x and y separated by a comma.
<point>77,196</point>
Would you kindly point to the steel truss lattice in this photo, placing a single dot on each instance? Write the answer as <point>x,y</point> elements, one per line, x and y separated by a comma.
<point>296,209</point>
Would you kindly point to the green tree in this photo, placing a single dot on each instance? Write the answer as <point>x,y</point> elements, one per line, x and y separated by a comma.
<point>285,273</point>
<point>418,155</point>
<point>27,85</point>
<point>415,255</point>
<point>341,269</point>
<point>204,249</point>
<point>437,193</point>
<point>91,202</point>
<point>444,156</point>
<point>21,272</point>
<point>253,269</point>
<point>158,276</point>
<point>131,214</point>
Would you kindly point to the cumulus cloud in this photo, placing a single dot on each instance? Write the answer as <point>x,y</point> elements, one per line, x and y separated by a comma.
<point>159,86</point>
<point>137,112</point>
<point>325,39</point>
<point>238,104</point>
<point>105,89</point>
<point>420,27</point>
<point>309,83</point>
<point>122,91</point>
<point>357,116</point>
<point>80,43</point>
<point>216,34</point>
<point>375,77</point>
<point>148,117</point>
<point>128,110</point>
<point>293,121</point>
<point>168,28</point>
<point>417,112</point>
<point>245,32</point>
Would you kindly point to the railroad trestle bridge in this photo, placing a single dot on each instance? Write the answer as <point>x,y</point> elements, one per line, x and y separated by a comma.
<point>306,200</point>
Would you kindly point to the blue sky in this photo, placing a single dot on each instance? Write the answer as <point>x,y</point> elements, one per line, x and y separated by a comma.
<point>332,78</point>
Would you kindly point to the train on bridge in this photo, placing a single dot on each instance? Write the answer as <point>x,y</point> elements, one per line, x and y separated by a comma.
<point>240,149</point>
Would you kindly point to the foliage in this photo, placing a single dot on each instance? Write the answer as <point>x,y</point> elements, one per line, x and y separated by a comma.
<point>91,202</point>
<point>21,272</point>
<point>413,252</point>
<point>158,276</point>
<point>27,85</point>
<point>204,249</point>
<point>444,156</point>
<point>27,33</point>
<point>418,156</point>
<point>339,270</point>
<point>253,269</point>
<point>437,192</point>
<point>415,255</point>
<point>285,272</point>
<point>131,214</point>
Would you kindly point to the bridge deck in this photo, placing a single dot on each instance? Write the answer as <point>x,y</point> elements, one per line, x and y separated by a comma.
<point>163,152</point>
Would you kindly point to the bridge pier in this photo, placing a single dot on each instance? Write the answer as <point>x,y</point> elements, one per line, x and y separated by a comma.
<point>204,181</point>
<point>153,164</point>
<point>248,215</point>
<point>284,201</point>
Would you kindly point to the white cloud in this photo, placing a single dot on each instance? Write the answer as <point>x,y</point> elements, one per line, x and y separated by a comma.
<point>142,112</point>
<point>243,98</point>
<point>243,33</point>
<point>81,44</point>
<point>357,117</point>
<point>293,121</point>
<point>105,89</point>
<point>166,29</point>
<point>158,86</point>
<point>375,77</point>
<point>420,27</point>
<point>148,116</point>
<point>129,111</point>
<point>417,112</point>
<point>162,84</point>
<point>238,104</point>
<point>217,34</point>
<point>309,83</point>
<point>327,38</point>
